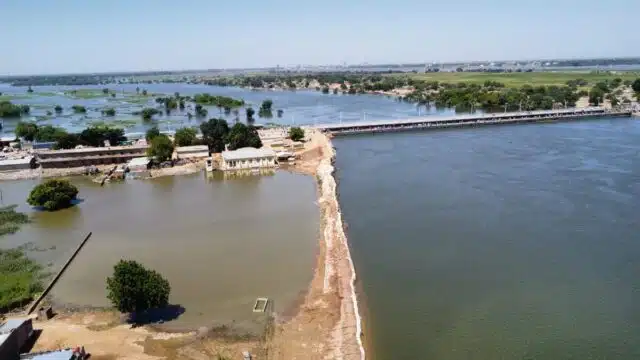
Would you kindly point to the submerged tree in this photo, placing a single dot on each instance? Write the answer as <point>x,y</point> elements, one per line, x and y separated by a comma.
<point>53,195</point>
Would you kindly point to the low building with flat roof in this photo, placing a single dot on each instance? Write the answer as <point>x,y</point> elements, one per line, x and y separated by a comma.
<point>28,162</point>
<point>192,152</point>
<point>89,156</point>
<point>248,158</point>
<point>14,333</point>
<point>65,354</point>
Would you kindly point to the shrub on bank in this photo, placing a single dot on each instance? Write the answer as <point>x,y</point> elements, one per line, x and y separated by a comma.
<point>161,148</point>
<point>53,195</point>
<point>133,288</point>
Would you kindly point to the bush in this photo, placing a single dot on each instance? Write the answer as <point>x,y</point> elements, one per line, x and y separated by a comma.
<point>20,278</point>
<point>147,113</point>
<point>109,112</point>
<point>9,110</point>
<point>296,134</point>
<point>133,288</point>
<point>161,148</point>
<point>49,133</point>
<point>151,133</point>
<point>67,141</point>
<point>185,137</point>
<point>98,134</point>
<point>26,130</point>
<point>53,195</point>
<point>79,109</point>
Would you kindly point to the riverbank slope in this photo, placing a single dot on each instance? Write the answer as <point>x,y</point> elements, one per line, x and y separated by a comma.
<point>328,324</point>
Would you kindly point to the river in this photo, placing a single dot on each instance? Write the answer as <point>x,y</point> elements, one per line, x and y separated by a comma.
<point>508,242</point>
<point>220,243</point>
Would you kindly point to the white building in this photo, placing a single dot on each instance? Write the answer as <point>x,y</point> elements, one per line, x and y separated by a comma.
<point>248,158</point>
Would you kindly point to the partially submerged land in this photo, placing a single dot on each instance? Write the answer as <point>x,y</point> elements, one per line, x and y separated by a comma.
<point>326,325</point>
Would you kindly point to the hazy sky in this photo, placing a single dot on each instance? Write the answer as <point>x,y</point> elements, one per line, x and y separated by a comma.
<point>63,36</point>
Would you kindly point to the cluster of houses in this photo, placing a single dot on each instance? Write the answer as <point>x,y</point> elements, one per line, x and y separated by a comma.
<point>133,157</point>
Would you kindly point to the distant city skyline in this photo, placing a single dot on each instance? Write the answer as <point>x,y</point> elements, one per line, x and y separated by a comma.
<point>98,36</point>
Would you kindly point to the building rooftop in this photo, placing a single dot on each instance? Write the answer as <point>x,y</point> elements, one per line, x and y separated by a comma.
<point>93,149</point>
<point>193,148</point>
<point>23,161</point>
<point>49,355</point>
<point>248,153</point>
<point>139,161</point>
<point>11,324</point>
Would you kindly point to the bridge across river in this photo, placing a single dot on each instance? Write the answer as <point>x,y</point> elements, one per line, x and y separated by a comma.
<point>437,122</point>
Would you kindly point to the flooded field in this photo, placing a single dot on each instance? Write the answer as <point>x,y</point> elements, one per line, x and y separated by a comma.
<point>220,243</point>
<point>299,107</point>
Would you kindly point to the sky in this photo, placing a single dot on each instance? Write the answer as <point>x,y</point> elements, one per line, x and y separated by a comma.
<point>79,36</point>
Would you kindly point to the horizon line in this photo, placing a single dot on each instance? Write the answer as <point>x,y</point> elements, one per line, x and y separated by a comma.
<point>363,64</point>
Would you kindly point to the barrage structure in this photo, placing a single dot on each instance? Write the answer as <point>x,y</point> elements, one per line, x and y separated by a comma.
<point>438,122</point>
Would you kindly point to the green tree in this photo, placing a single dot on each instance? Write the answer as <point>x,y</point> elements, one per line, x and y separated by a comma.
<point>79,109</point>
<point>161,148</point>
<point>67,141</point>
<point>144,92</point>
<point>9,110</point>
<point>214,133</point>
<point>325,90</point>
<point>147,113</point>
<point>58,109</point>
<point>185,136</point>
<point>242,135</point>
<point>25,109</point>
<point>53,195</point>
<point>296,133</point>
<point>280,112</point>
<point>152,133</point>
<point>105,91</point>
<point>596,96</point>
<point>49,133</point>
<point>250,112</point>
<point>26,130</point>
<point>98,134</point>
<point>636,85</point>
<point>266,105</point>
<point>29,90</point>
<point>109,112</point>
<point>134,289</point>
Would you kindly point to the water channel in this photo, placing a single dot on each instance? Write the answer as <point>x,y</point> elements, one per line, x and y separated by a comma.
<point>509,242</point>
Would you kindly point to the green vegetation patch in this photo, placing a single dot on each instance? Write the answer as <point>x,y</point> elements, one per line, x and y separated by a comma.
<point>518,79</point>
<point>20,278</point>
<point>10,220</point>
<point>86,93</point>
<point>8,97</point>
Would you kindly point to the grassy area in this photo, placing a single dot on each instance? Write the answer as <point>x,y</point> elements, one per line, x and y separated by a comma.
<point>20,277</point>
<point>10,97</point>
<point>120,123</point>
<point>524,78</point>
<point>86,94</point>
<point>10,220</point>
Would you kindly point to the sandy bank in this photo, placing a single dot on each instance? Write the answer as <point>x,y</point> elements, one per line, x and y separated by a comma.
<point>328,324</point>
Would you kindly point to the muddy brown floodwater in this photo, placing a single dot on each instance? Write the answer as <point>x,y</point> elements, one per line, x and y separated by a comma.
<point>220,243</point>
